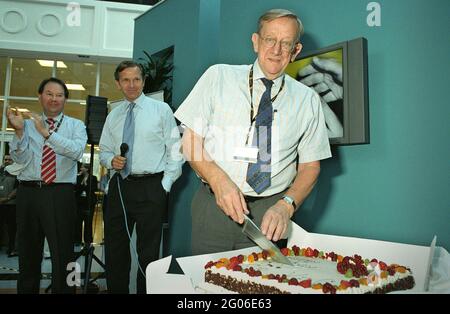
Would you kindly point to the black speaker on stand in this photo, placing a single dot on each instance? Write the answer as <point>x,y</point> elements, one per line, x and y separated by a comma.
<point>96,112</point>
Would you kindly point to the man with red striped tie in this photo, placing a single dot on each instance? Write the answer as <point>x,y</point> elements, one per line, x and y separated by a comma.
<point>49,144</point>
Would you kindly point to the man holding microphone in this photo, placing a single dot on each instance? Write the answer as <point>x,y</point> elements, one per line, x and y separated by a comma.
<point>141,142</point>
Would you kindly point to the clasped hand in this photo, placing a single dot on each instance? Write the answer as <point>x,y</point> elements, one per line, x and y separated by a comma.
<point>16,119</point>
<point>323,75</point>
<point>231,200</point>
<point>275,221</point>
<point>118,162</point>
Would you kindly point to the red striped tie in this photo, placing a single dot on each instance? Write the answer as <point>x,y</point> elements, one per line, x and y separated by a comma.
<point>48,168</point>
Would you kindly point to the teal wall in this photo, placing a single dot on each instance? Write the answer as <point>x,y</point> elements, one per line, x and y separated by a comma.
<point>397,188</point>
<point>192,27</point>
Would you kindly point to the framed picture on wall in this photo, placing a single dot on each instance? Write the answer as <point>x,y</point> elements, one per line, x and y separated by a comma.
<point>338,73</point>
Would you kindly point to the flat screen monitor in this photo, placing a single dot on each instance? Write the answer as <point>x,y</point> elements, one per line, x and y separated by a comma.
<point>338,73</point>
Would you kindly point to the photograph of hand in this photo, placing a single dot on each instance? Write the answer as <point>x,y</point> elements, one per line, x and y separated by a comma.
<point>325,76</point>
<point>323,73</point>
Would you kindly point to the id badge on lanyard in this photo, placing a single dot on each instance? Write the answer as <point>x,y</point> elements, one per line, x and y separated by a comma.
<point>247,154</point>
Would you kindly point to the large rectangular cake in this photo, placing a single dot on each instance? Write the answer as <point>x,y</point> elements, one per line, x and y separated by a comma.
<point>313,272</point>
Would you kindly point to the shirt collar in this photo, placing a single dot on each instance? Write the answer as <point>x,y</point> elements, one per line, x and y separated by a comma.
<point>56,119</point>
<point>258,74</point>
<point>138,101</point>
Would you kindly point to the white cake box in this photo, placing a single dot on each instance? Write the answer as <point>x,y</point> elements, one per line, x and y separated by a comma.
<point>417,258</point>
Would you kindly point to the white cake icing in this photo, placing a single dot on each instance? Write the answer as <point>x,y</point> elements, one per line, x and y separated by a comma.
<point>319,270</point>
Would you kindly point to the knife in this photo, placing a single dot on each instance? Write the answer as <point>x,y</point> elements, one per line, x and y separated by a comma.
<point>252,231</point>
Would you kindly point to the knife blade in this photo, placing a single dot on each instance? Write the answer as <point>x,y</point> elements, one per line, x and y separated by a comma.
<point>252,231</point>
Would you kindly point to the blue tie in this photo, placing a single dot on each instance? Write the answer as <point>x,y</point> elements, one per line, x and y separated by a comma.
<point>128,137</point>
<point>258,174</point>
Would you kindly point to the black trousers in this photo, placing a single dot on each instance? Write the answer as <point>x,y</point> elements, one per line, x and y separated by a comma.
<point>145,205</point>
<point>46,212</point>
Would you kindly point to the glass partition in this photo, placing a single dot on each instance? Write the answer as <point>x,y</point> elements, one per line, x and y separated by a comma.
<point>26,75</point>
<point>3,61</point>
<point>108,87</point>
<point>25,106</point>
<point>79,77</point>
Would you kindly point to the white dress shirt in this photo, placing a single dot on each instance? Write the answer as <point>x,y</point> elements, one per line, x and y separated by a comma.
<point>218,109</point>
<point>157,141</point>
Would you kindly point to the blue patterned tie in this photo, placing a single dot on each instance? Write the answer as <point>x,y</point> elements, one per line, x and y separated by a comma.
<point>258,174</point>
<point>128,137</point>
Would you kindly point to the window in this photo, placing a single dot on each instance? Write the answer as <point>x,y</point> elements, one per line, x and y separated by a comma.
<point>75,110</point>
<point>1,106</point>
<point>25,106</point>
<point>108,87</point>
<point>79,77</point>
<point>3,61</point>
<point>26,74</point>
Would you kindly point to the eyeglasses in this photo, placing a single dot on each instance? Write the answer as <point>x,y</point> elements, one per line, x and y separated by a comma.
<point>270,42</point>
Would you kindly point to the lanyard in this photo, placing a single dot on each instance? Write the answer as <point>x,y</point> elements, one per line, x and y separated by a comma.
<point>250,85</point>
<point>58,125</point>
<point>252,111</point>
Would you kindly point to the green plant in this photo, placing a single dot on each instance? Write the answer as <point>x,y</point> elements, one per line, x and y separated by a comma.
<point>158,71</point>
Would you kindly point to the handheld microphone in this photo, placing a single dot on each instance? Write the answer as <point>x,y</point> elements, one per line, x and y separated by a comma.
<point>123,149</point>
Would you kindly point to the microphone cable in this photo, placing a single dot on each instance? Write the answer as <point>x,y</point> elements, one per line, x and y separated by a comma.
<point>126,226</point>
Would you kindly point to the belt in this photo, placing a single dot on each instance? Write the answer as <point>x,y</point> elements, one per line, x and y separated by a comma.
<point>139,177</point>
<point>40,184</point>
<point>248,198</point>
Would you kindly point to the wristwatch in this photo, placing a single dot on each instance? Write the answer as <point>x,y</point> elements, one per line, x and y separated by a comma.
<point>290,201</point>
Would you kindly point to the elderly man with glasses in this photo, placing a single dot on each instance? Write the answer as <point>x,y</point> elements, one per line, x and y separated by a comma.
<point>255,137</point>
